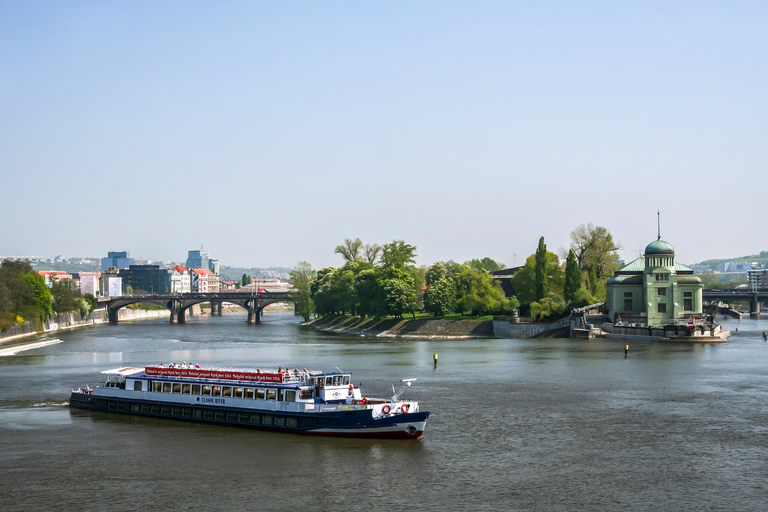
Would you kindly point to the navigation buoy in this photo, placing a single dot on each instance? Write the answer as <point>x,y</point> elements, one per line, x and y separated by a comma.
<point>626,351</point>
<point>435,359</point>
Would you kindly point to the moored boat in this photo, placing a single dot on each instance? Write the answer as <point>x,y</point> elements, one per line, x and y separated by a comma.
<point>302,401</point>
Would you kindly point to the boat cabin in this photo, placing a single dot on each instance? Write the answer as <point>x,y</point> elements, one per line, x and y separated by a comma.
<point>282,386</point>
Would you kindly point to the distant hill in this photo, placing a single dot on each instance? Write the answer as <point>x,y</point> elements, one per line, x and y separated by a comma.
<point>761,258</point>
<point>236,273</point>
<point>66,267</point>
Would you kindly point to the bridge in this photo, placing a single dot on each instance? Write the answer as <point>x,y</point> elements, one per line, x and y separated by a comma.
<point>178,304</point>
<point>754,298</point>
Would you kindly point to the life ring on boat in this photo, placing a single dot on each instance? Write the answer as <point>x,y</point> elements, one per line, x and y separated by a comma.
<point>405,408</point>
<point>386,409</point>
<point>351,389</point>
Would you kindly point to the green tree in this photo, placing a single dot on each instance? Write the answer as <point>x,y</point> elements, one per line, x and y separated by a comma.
<point>572,277</point>
<point>20,286</point>
<point>440,295</point>
<point>65,297</point>
<point>594,246</point>
<point>485,265</point>
<point>524,280</point>
<point>398,254</point>
<point>371,253</point>
<point>540,273</point>
<point>350,250</point>
<point>43,297</point>
<point>482,295</point>
<point>245,280</point>
<point>302,277</point>
<point>369,293</point>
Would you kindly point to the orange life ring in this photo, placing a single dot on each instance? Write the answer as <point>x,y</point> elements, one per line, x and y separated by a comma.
<point>351,389</point>
<point>405,408</point>
<point>386,409</point>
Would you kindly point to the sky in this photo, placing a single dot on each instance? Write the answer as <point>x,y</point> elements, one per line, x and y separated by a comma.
<point>268,132</point>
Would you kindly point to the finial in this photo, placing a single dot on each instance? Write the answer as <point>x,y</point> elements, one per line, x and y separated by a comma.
<point>658,222</point>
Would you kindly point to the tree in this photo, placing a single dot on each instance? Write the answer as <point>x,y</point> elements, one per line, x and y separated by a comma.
<point>23,293</point>
<point>540,274</point>
<point>482,293</point>
<point>594,245</point>
<point>245,280</point>
<point>302,277</point>
<point>36,283</point>
<point>371,253</point>
<point>440,295</point>
<point>398,254</point>
<point>572,277</point>
<point>369,293</point>
<point>524,281</point>
<point>485,265</point>
<point>350,250</point>
<point>66,297</point>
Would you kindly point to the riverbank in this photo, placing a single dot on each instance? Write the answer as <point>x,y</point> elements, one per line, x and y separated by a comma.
<point>404,328</point>
<point>72,320</point>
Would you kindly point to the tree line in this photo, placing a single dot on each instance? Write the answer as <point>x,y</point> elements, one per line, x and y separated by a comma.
<point>378,281</point>
<point>24,296</point>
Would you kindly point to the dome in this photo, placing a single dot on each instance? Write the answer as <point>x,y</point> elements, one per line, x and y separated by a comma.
<point>659,247</point>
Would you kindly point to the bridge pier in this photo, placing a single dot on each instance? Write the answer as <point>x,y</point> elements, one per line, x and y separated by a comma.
<point>113,314</point>
<point>754,306</point>
<point>216,308</point>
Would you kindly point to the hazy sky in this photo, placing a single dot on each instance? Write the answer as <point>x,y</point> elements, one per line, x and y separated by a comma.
<point>270,131</point>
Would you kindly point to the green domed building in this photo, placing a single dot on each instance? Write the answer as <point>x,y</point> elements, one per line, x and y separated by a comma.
<point>653,290</point>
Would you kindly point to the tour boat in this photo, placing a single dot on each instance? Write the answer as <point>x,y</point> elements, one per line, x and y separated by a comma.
<point>302,401</point>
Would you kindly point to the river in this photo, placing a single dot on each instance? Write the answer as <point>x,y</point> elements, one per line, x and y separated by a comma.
<point>516,425</point>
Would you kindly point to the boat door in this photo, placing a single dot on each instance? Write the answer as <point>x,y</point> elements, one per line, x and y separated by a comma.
<point>319,383</point>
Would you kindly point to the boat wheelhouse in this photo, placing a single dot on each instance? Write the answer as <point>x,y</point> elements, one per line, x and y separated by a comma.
<point>304,401</point>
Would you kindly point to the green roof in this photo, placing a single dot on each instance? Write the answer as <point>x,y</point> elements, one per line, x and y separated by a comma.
<point>659,247</point>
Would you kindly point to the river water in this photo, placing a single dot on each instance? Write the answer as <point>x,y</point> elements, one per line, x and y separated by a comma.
<point>516,425</point>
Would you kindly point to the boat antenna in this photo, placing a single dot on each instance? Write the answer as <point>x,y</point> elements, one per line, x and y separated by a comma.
<point>340,370</point>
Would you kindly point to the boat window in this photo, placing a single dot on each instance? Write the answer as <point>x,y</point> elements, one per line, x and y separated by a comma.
<point>255,418</point>
<point>290,395</point>
<point>219,415</point>
<point>145,408</point>
<point>206,390</point>
<point>306,393</point>
<point>177,388</point>
<point>155,409</point>
<point>197,413</point>
<point>157,386</point>
<point>266,419</point>
<point>186,388</point>
<point>195,389</point>
<point>216,391</point>
<point>208,415</point>
<point>165,410</point>
<point>177,411</point>
<point>346,380</point>
<point>280,421</point>
<point>186,412</point>
<point>259,394</point>
<point>291,422</point>
<point>248,393</point>
<point>137,385</point>
<point>226,391</point>
<point>337,380</point>
<point>271,394</point>
<point>166,387</point>
<point>329,381</point>
<point>231,416</point>
<point>238,392</point>
<point>243,417</point>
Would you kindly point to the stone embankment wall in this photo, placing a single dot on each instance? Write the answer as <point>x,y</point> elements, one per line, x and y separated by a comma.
<point>506,329</point>
<point>72,319</point>
<point>393,328</point>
